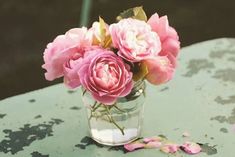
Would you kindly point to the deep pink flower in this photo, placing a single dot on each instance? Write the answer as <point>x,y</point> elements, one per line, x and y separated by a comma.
<point>191,148</point>
<point>64,48</point>
<point>168,36</point>
<point>135,40</point>
<point>105,76</point>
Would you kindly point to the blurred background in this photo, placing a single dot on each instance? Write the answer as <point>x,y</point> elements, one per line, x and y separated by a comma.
<point>27,26</point>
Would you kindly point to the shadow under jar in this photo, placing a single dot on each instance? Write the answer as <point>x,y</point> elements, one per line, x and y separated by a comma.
<point>119,123</point>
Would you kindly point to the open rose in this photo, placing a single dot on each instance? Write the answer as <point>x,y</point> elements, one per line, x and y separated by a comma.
<point>161,69</point>
<point>105,76</point>
<point>135,40</point>
<point>63,53</point>
<point>168,36</point>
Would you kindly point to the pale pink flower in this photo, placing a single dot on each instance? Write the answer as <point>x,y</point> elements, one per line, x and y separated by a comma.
<point>134,40</point>
<point>191,148</point>
<point>62,49</point>
<point>160,70</point>
<point>168,36</point>
<point>105,76</point>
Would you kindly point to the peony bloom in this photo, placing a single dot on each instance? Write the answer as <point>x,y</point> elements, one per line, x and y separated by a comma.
<point>168,36</point>
<point>160,70</point>
<point>105,76</point>
<point>63,53</point>
<point>135,40</point>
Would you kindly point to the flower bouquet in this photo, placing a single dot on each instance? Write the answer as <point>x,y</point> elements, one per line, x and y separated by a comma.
<point>110,63</point>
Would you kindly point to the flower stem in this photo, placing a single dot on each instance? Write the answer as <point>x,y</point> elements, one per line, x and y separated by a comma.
<point>113,121</point>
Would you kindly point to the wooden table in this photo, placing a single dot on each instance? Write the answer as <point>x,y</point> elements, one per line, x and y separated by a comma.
<point>51,122</point>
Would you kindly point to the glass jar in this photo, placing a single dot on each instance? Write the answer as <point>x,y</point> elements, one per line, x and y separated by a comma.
<point>119,123</point>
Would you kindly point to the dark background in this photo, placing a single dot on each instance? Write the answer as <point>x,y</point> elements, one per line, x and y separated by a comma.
<point>26,27</point>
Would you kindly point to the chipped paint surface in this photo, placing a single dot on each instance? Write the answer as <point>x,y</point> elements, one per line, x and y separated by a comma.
<point>226,119</point>
<point>37,154</point>
<point>230,100</point>
<point>16,140</point>
<point>196,65</point>
<point>200,99</point>
<point>226,75</point>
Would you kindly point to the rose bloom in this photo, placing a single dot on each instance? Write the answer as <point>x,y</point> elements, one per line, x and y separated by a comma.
<point>63,54</point>
<point>105,76</point>
<point>135,40</point>
<point>168,36</point>
<point>161,69</point>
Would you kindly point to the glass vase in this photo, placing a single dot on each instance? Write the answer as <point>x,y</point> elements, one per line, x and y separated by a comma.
<point>119,123</point>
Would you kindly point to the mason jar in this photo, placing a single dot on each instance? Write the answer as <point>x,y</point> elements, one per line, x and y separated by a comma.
<point>119,123</point>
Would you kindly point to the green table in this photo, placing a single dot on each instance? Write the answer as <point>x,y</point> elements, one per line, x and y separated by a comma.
<point>51,122</point>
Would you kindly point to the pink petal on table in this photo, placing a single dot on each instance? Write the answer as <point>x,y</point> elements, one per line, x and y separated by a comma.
<point>233,128</point>
<point>152,139</point>
<point>170,148</point>
<point>133,146</point>
<point>185,134</point>
<point>191,148</point>
<point>154,144</point>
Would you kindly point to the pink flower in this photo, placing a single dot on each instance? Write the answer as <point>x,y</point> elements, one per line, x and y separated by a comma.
<point>170,148</point>
<point>168,36</point>
<point>135,40</point>
<point>160,70</point>
<point>64,48</point>
<point>105,76</point>
<point>191,148</point>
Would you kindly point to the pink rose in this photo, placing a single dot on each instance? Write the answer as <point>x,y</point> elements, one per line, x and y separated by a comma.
<point>135,40</point>
<point>160,70</point>
<point>105,76</point>
<point>168,36</point>
<point>60,55</point>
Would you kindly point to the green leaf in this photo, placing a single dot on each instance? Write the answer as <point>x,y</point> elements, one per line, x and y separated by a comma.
<point>141,72</point>
<point>136,13</point>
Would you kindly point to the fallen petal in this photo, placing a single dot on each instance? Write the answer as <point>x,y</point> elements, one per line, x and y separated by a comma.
<point>170,148</point>
<point>133,146</point>
<point>154,144</point>
<point>191,148</point>
<point>185,134</point>
<point>152,139</point>
<point>233,128</point>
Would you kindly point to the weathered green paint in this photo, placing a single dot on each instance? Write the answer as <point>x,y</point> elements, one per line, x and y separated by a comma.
<point>51,122</point>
